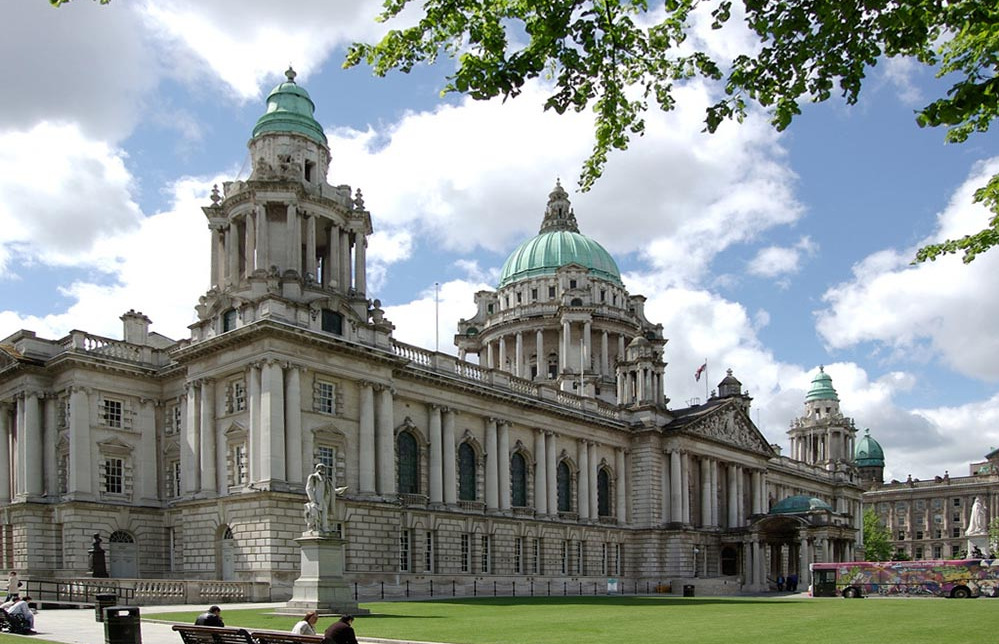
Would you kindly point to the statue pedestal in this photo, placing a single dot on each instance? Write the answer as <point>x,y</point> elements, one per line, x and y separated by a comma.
<point>321,586</point>
<point>981,541</point>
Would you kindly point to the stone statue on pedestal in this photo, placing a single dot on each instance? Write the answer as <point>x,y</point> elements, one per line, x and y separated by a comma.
<point>977,524</point>
<point>321,506</point>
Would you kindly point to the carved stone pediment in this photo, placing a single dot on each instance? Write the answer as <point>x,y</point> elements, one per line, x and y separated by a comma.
<point>728,424</point>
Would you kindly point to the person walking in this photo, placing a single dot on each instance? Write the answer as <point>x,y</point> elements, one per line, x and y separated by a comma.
<point>340,632</point>
<point>13,586</point>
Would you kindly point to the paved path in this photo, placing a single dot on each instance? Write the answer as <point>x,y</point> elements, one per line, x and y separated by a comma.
<point>78,626</point>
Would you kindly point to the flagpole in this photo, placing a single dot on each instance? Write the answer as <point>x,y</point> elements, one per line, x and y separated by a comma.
<point>437,317</point>
<point>705,380</point>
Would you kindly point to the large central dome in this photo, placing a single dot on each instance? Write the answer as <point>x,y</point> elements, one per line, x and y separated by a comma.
<point>558,244</point>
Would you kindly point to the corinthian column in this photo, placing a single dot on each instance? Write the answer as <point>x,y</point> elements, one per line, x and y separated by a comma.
<point>385,443</point>
<point>366,440</point>
<point>492,472</point>
<point>436,458</point>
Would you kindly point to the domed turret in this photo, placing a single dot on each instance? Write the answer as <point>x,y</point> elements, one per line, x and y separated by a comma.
<point>870,460</point>
<point>558,243</point>
<point>822,435</point>
<point>822,388</point>
<point>290,110</point>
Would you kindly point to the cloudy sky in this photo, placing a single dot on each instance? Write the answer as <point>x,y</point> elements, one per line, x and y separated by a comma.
<point>766,253</point>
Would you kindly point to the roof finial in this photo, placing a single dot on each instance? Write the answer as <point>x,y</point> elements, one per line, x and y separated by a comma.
<point>290,74</point>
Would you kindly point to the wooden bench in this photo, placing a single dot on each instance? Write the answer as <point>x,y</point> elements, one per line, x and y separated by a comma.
<point>212,635</point>
<point>271,637</point>
<point>15,625</point>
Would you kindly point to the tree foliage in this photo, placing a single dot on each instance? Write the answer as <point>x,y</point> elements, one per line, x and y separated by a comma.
<point>877,539</point>
<point>622,57</point>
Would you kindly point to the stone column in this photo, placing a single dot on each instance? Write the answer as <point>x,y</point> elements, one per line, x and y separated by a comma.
<point>583,491</point>
<point>5,431</point>
<point>436,460</point>
<point>594,501</point>
<point>80,479</point>
<point>29,445</point>
<point>518,369</point>
<point>705,492</point>
<point>620,487</point>
<point>552,483</point>
<point>190,446</point>
<point>50,431</point>
<point>450,462</point>
<point>740,494</point>
<point>366,438</point>
<point>385,438</point>
<point>293,423</point>
<point>249,244</point>
<point>503,461</point>
<point>231,254</point>
<point>564,343</point>
<point>360,280</point>
<point>490,363</point>
<point>492,454</point>
<point>253,409</point>
<point>502,354</point>
<point>207,438</point>
<point>715,519</point>
<point>685,482</point>
<point>540,360</point>
<point>293,234</point>
<point>216,250</point>
<point>733,516</point>
<point>804,574</point>
<point>587,350</point>
<point>263,250</point>
<point>310,245</point>
<point>146,468</point>
<point>540,474</point>
<point>604,355</point>
<point>675,486</point>
<point>272,430</point>
<point>332,263</point>
<point>345,280</point>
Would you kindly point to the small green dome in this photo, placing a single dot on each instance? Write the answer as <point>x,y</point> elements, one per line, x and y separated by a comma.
<point>558,244</point>
<point>800,504</point>
<point>868,452</point>
<point>822,388</point>
<point>289,109</point>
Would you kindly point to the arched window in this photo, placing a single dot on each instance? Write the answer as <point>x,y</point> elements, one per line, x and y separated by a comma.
<point>120,536</point>
<point>603,493</point>
<point>518,479</point>
<point>564,480</point>
<point>409,463</point>
<point>466,472</point>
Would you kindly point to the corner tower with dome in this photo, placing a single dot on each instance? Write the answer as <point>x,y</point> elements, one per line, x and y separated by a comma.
<point>561,314</point>
<point>822,435</point>
<point>552,459</point>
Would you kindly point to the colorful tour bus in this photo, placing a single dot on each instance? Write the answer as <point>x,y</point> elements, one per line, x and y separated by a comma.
<point>960,578</point>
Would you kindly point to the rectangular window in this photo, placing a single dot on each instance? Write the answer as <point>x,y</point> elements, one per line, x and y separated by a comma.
<point>229,320</point>
<point>239,465</point>
<point>114,476</point>
<point>901,535</point>
<point>957,502</point>
<point>534,295</point>
<point>173,479</point>
<point>111,413</point>
<point>325,397</point>
<point>955,532</point>
<point>551,291</point>
<point>536,557</point>
<point>919,534</point>
<point>518,556</point>
<point>239,395</point>
<point>405,551</point>
<point>956,518</point>
<point>572,283</point>
<point>486,554</point>
<point>937,552</point>
<point>326,456</point>
<point>617,558</point>
<point>466,553</point>
<point>580,567</point>
<point>603,559</point>
<point>919,553</point>
<point>428,553</point>
<point>565,558</point>
<point>938,534</point>
<point>955,550</point>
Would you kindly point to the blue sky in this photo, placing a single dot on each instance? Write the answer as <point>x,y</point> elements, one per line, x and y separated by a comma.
<point>766,253</point>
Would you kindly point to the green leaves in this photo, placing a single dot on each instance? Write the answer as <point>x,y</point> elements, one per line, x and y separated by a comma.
<point>877,539</point>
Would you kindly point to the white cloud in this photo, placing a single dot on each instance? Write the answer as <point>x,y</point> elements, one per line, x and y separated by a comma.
<point>776,261</point>
<point>61,192</point>
<point>244,42</point>
<point>430,320</point>
<point>943,309</point>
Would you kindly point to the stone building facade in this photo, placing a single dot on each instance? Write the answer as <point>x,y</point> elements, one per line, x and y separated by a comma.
<point>555,456</point>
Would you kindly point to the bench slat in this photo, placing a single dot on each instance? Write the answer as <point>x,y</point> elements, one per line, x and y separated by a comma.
<point>265,637</point>
<point>212,635</point>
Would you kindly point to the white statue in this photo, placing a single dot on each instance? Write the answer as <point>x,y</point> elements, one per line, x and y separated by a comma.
<point>322,494</point>
<point>977,523</point>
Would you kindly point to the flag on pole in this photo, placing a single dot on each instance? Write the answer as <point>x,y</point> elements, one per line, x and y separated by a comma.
<point>700,370</point>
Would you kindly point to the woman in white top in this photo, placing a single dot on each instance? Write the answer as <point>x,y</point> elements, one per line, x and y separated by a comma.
<point>307,625</point>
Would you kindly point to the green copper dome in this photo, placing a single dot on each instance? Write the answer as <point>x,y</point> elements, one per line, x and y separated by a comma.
<point>822,388</point>
<point>558,244</point>
<point>868,452</point>
<point>800,504</point>
<point>289,109</point>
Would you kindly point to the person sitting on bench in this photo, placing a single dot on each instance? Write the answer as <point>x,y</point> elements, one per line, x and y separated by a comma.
<point>22,620</point>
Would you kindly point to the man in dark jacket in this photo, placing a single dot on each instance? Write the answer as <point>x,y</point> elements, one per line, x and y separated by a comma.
<point>340,632</point>
<point>211,618</point>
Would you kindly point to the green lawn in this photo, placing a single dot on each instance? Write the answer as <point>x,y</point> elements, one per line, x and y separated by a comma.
<point>644,620</point>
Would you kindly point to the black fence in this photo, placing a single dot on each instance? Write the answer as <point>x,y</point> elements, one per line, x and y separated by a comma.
<point>486,588</point>
<point>74,592</point>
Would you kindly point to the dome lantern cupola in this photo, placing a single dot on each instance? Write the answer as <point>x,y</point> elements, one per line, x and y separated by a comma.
<point>290,110</point>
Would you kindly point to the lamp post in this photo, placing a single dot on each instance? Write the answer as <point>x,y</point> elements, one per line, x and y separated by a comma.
<point>697,551</point>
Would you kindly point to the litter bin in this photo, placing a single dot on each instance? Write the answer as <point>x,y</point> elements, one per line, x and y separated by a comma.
<point>102,601</point>
<point>121,625</point>
<point>688,590</point>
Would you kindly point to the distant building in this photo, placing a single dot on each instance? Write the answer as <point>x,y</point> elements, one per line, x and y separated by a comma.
<point>555,456</point>
<point>927,519</point>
